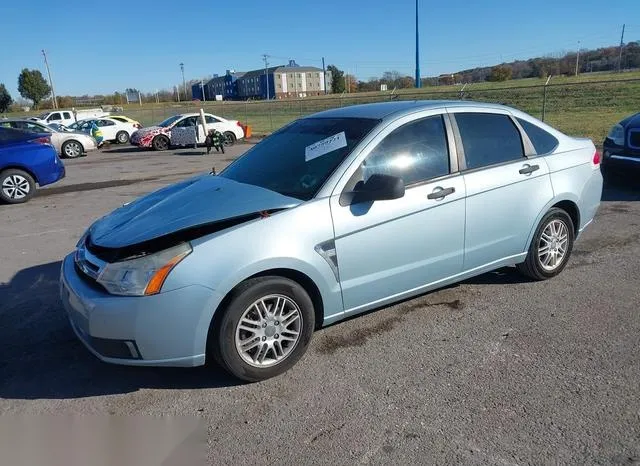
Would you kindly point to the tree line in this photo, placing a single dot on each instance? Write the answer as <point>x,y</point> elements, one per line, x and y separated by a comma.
<point>33,86</point>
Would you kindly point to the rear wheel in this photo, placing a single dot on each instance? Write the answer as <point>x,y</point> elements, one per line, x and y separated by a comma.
<point>16,186</point>
<point>265,329</point>
<point>160,143</point>
<point>229,138</point>
<point>72,149</point>
<point>122,137</point>
<point>551,246</point>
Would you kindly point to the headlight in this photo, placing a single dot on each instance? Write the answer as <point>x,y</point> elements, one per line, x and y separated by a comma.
<point>143,276</point>
<point>617,135</point>
<point>83,238</point>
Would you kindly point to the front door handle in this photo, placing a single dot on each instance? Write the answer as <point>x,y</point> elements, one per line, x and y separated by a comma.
<point>440,193</point>
<point>528,169</point>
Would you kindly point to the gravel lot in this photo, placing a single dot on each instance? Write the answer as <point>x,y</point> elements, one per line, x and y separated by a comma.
<point>494,370</point>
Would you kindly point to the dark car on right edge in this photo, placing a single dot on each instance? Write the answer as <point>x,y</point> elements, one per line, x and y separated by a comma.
<point>621,147</point>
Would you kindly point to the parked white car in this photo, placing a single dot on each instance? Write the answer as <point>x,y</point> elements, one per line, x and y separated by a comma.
<point>112,129</point>
<point>167,133</point>
<point>68,117</point>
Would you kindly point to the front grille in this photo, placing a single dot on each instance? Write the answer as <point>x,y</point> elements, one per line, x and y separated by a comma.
<point>634,138</point>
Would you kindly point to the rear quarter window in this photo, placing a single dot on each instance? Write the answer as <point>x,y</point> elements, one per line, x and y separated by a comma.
<point>542,141</point>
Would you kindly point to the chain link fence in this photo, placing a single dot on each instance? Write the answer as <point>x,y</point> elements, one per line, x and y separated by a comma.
<point>581,109</point>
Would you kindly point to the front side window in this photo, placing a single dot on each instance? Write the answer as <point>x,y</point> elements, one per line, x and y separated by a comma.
<point>488,139</point>
<point>542,141</point>
<point>296,160</point>
<point>187,123</point>
<point>54,117</point>
<point>415,152</point>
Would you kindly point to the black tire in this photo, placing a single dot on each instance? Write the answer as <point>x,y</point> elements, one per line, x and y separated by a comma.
<point>222,335</point>
<point>229,138</point>
<point>71,149</point>
<point>122,137</point>
<point>20,179</point>
<point>160,143</point>
<point>532,267</point>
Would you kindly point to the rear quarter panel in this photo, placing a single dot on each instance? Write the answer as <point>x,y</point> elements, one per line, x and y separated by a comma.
<point>40,160</point>
<point>575,178</point>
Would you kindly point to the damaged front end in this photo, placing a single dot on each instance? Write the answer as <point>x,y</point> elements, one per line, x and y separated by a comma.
<point>131,251</point>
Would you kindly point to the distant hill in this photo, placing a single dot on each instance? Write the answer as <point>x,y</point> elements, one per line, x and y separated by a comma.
<point>602,59</point>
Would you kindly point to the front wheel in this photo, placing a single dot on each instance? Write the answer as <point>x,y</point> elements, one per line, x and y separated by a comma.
<point>265,329</point>
<point>16,186</point>
<point>160,143</point>
<point>551,246</point>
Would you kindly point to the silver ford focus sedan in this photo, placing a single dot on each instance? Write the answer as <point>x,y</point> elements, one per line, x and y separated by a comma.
<point>335,214</point>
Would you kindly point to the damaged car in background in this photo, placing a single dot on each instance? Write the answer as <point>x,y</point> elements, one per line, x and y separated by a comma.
<point>335,214</point>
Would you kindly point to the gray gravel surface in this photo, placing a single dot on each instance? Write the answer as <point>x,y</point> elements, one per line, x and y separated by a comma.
<point>494,370</point>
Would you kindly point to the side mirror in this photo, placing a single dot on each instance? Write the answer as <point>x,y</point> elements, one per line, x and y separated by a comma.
<point>378,187</point>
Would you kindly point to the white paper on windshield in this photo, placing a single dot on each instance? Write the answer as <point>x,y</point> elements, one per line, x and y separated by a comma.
<point>320,148</point>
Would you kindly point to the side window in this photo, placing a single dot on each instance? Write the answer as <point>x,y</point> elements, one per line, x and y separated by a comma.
<point>103,123</point>
<point>415,152</point>
<point>210,119</point>
<point>67,115</point>
<point>542,141</point>
<point>187,122</point>
<point>54,117</point>
<point>488,139</point>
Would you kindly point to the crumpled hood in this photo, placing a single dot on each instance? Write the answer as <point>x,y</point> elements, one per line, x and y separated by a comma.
<point>149,129</point>
<point>190,203</point>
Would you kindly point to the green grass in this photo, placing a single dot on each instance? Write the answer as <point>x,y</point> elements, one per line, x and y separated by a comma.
<point>579,106</point>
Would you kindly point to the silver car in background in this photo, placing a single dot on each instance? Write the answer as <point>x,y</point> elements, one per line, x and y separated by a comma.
<point>335,214</point>
<point>69,144</point>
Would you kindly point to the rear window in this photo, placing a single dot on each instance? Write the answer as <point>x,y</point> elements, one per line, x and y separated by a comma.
<point>488,139</point>
<point>542,141</point>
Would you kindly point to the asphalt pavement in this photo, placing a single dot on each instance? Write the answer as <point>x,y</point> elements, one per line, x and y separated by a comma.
<point>496,370</point>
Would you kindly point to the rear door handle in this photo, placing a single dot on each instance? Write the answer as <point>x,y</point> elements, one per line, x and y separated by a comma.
<point>440,193</point>
<point>528,169</point>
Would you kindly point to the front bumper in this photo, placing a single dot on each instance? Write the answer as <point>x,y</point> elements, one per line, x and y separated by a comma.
<point>168,329</point>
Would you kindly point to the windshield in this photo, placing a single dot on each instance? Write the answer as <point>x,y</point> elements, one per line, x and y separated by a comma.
<point>169,121</point>
<point>299,158</point>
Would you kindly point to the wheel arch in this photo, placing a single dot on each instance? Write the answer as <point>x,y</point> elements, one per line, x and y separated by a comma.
<point>569,204</point>
<point>301,278</point>
<point>22,168</point>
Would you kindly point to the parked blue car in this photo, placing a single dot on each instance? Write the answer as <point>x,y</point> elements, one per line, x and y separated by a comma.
<point>26,160</point>
<point>337,213</point>
<point>621,147</point>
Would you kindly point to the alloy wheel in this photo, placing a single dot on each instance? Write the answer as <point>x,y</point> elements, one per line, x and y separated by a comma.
<point>552,248</point>
<point>268,331</point>
<point>16,187</point>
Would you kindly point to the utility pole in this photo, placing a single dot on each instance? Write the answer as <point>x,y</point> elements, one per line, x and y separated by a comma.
<point>53,94</point>
<point>324,74</point>
<point>184,83</point>
<point>266,72</point>
<point>577,58</point>
<point>418,80</point>
<point>620,52</point>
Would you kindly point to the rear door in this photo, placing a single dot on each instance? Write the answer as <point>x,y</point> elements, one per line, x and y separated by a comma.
<point>506,185</point>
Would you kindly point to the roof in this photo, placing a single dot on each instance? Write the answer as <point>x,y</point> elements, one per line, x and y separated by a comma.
<point>383,110</point>
<point>255,73</point>
<point>296,69</point>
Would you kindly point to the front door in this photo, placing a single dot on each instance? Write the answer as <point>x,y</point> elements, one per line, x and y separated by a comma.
<point>393,248</point>
<point>506,190</point>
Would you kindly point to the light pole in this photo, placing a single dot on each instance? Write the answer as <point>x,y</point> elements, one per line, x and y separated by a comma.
<point>184,83</point>
<point>577,58</point>
<point>418,80</point>
<point>53,94</point>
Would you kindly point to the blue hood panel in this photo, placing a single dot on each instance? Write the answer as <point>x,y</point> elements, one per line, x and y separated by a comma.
<point>193,202</point>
